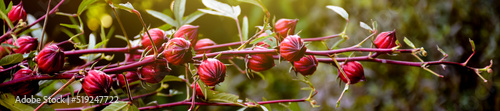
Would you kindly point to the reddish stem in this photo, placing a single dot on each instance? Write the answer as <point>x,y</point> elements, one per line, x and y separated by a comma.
<point>100,50</point>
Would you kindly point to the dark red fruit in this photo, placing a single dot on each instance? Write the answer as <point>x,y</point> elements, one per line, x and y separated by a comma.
<point>386,39</point>
<point>157,35</point>
<point>260,62</point>
<point>50,59</point>
<point>306,65</point>
<point>203,43</point>
<point>153,73</point>
<point>353,70</point>
<point>131,77</point>
<point>285,27</point>
<point>25,88</point>
<point>97,83</point>
<point>16,13</point>
<point>292,48</point>
<point>178,51</point>
<point>25,44</point>
<point>188,32</point>
<point>212,72</point>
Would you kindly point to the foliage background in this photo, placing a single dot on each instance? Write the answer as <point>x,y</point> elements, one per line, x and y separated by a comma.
<point>448,24</point>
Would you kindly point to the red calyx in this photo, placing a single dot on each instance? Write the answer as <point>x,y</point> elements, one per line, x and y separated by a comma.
<point>285,27</point>
<point>292,48</point>
<point>199,92</point>
<point>260,62</point>
<point>212,72</point>
<point>353,70</point>
<point>25,44</point>
<point>25,88</point>
<point>131,77</point>
<point>203,43</point>
<point>178,51</point>
<point>386,39</point>
<point>16,13</point>
<point>153,73</point>
<point>187,32</point>
<point>306,65</point>
<point>157,35</point>
<point>97,83</point>
<point>50,59</point>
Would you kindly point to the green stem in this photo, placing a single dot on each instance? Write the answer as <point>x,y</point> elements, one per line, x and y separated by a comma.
<point>44,26</point>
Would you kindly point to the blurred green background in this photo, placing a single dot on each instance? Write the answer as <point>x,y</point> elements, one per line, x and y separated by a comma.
<point>448,24</point>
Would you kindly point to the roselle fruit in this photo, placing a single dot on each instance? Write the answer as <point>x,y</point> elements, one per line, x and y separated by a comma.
<point>306,65</point>
<point>178,51</point>
<point>25,44</point>
<point>203,43</point>
<point>97,83</point>
<point>292,48</point>
<point>17,13</point>
<point>24,88</point>
<point>189,32</point>
<point>157,35</point>
<point>260,62</point>
<point>386,39</point>
<point>131,77</point>
<point>50,59</point>
<point>153,73</point>
<point>212,72</point>
<point>353,70</point>
<point>285,27</point>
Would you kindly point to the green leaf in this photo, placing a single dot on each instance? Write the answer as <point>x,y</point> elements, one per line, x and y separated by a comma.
<point>260,39</point>
<point>193,16</point>
<point>168,78</point>
<point>9,7</point>
<point>84,5</point>
<point>9,101</point>
<point>340,11</point>
<point>268,106</point>
<point>245,28</point>
<point>255,2</point>
<point>2,6</point>
<point>179,7</point>
<point>294,106</point>
<point>125,6</point>
<point>409,43</point>
<point>242,109</point>
<point>215,96</point>
<point>365,26</point>
<point>472,44</point>
<point>73,26</point>
<point>11,59</point>
<point>221,9</point>
<point>165,18</point>
<point>117,106</point>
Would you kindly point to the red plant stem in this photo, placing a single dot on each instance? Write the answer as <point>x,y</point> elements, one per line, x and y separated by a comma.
<point>100,50</point>
<point>54,9</point>
<point>239,43</point>
<point>240,52</point>
<point>329,52</point>
<point>216,104</point>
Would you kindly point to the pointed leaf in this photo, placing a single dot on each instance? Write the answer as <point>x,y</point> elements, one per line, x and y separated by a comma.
<point>73,26</point>
<point>215,96</point>
<point>255,2</point>
<point>193,16</point>
<point>125,6</point>
<point>245,28</point>
<point>11,59</point>
<point>171,78</point>
<point>179,7</point>
<point>472,44</point>
<point>221,9</point>
<point>84,5</point>
<point>165,18</point>
<point>365,26</point>
<point>9,101</point>
<point>340,11</point>
<point>409,43</point>
<point>117,106</point>
<point>260,39</point>
<point>441,50</point>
